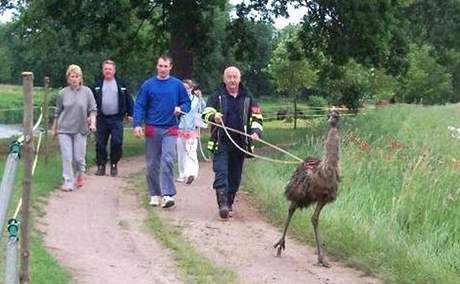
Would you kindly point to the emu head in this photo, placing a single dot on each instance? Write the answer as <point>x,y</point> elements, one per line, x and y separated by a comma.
<point>333,117</point>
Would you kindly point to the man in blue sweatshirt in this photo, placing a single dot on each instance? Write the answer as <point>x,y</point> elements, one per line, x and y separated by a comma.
<point>160,101</point>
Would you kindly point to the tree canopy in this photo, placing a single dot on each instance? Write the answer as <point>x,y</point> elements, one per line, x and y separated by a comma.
<point>354,50</point>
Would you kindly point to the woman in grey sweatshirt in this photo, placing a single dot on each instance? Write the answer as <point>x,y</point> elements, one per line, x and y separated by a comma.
<point>75,118</point>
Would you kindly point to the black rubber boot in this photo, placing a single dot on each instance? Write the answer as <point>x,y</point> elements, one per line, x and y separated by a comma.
<point>113,170</point>
<point>230,199</point>
<point>100,170</point>
<point>222,202</point>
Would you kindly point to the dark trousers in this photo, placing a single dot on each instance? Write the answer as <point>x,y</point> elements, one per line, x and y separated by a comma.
<point>227,166</point>
<point>109,126</point>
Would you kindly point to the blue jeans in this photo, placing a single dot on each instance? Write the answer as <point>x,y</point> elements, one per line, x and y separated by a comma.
<point>227,166</point>
<point>160,153</point>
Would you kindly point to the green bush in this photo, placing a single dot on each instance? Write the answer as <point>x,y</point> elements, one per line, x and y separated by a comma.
<point>426,82</point>
<point>317,102</point>
<point>383,86</point>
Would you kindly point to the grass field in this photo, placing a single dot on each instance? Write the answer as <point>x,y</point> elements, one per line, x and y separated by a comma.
<point>397,211</point>
<point>11,102</point>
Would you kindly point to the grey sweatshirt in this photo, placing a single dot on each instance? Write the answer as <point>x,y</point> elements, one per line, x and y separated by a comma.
<point>73,107</point>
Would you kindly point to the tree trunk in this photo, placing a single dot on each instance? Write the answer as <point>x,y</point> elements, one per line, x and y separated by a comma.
<point>183,29</point>
<point>182,56</point>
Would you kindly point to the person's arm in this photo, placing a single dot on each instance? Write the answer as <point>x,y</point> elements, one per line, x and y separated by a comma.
<point>92,111</point>
<point>54,128</point>
<point>211,111</point>
<point>140,106</point>
<point>57,112</point>
<point>92,122</point>
<point>139,110</point>
<point>129,102</point>
<point>256,120</point>
<point>183,104</point>
<point>201,101</point>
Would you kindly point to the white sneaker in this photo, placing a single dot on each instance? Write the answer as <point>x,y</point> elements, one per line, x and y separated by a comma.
<point>155,201</point>
<point>167,201</point>
<point>180,179</point>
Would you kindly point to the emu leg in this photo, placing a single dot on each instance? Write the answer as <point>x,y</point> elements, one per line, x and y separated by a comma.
<point>315,222</point>
<point>281,243</point>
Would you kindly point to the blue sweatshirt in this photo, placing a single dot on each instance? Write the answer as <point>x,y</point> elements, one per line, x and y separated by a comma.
<point>156,101</point>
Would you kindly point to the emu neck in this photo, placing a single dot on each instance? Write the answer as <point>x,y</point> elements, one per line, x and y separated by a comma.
<point>332,147</point>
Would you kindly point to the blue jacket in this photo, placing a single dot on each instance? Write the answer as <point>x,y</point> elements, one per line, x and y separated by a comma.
<point>189,121</point>
<point>156,101</point>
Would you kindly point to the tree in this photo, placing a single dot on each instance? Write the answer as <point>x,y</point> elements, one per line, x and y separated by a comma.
<point>437,23</point>
<point>249,46</point>
<point>86,32</point>
<point>291,73</point>
<point>6,72</point>
<point>426,81</point>
<point>370,32</point>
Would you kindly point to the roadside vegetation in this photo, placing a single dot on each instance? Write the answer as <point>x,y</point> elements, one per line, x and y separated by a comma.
<point>397,210</point>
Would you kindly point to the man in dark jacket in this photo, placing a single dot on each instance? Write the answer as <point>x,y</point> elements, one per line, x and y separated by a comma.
<point>113,103</point>
<point>232,104</point>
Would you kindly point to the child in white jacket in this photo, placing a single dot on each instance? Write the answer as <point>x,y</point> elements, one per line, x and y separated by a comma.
<point>187,141</point>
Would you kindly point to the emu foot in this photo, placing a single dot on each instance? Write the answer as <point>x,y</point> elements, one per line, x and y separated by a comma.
<point>281,246</point>
<point>323,263</point>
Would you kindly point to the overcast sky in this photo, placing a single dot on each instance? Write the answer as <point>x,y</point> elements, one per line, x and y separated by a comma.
<point>5,17</point>
<point>295,16</point>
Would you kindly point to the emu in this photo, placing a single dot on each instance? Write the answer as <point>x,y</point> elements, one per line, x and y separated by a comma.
<point>315,181</point>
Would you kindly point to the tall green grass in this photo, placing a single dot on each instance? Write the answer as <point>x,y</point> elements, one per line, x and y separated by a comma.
<point>397,211</point>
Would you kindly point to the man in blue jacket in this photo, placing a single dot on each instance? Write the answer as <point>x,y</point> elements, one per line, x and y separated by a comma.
<point>113,103</point>
<point>160,101</point>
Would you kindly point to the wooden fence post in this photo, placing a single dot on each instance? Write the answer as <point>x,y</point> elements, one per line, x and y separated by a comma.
<point>45,115</point>
<point>27,85</point>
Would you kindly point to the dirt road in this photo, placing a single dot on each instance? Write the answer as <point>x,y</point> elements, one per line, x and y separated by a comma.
<point>97,233</point>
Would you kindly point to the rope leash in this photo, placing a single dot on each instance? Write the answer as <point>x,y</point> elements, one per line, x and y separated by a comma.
<point>207,159</point>
<point>226,129</point>
<point>259,156</point>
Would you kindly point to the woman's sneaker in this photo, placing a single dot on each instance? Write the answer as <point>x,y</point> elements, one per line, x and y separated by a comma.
<point>80,181</point>
<point>190,179</point>
<point>66,189</point>
<point>167,201</point>
<point>155,201</point>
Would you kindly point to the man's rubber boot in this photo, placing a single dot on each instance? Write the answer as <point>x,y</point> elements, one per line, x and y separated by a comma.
<point>222,201</point>
<point>230,199</point>
<point>113,170</point>
<point>100,170</point>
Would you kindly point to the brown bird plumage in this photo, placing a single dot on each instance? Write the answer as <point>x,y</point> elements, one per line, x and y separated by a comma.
<point>315,181</point>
